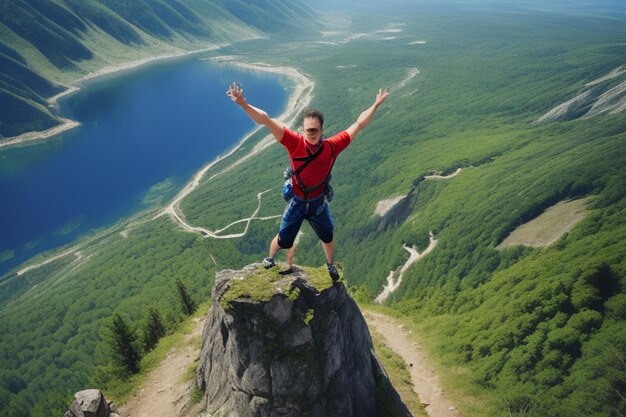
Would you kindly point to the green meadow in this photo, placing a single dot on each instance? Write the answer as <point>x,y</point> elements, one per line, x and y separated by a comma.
<point>518,331</point>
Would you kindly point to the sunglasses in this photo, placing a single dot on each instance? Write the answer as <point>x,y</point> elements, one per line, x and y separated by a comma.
<point>312,130</point>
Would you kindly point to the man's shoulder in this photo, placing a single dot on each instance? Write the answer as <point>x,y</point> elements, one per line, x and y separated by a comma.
<point>339,141</point>
<point>291,138</point>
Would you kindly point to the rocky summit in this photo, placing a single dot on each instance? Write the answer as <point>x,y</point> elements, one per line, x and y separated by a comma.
<point>289,345</point>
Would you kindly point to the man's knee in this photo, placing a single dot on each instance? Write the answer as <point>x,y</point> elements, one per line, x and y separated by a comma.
<point>326,238</point>
<point>285,242</point>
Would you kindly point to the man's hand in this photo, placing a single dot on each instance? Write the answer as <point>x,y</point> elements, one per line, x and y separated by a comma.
<point>366,117</point>
<point>235,92</point>
<point>381,96</point>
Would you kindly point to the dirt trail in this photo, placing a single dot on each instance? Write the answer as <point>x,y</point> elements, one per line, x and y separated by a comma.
<point>73,250</point>
<point>425,380</point>
<point>443,177</point>
<point>165,393</point>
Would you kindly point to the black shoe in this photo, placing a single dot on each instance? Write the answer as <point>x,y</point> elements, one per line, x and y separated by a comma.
<point>268,262</point>
<point>287,271</point>
<point>332,271</point>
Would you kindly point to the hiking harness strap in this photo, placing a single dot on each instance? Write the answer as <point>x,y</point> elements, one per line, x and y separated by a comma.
<point>307,160</point>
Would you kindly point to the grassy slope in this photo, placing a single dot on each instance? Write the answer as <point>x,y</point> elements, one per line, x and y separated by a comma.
<point>521,325</point>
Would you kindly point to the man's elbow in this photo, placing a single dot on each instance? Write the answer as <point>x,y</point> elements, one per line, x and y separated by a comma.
<point>263,119</point>
<point>361,124</point>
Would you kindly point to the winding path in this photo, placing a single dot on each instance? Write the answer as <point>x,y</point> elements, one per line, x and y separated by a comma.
<point>415,256</point>
<point>216,234</point>
<point>74,251</point>
<point>443,177</point>
<point>383,208</point>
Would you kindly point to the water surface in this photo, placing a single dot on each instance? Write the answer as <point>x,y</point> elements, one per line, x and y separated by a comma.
<point>143,134</point>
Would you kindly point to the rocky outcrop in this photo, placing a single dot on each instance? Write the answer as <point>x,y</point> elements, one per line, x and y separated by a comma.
<point>599,96</point>
<point>292,345</point>
<point>90,403</point>
<point>572,108</point>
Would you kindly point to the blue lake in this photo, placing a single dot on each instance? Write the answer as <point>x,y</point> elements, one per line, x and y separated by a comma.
<point>143,134</point>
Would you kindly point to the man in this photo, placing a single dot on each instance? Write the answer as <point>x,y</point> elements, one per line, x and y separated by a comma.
<point>311,159</point>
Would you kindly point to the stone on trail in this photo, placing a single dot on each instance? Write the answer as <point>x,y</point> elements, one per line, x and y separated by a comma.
<point>89,403</point>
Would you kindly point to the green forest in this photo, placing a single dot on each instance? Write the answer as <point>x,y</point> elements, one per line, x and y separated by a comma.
<point>523,331</point>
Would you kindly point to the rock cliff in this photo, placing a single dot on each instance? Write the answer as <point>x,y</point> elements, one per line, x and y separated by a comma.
<point>292,345</point>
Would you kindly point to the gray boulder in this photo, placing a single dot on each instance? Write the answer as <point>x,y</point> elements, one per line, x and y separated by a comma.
<point>90,403</point>
<point>292,345</point>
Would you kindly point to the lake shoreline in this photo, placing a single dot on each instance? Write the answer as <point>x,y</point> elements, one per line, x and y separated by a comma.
<point>298,98</point>
<point>74,87</point>
<point>301,82</point>
<point>296,102</point>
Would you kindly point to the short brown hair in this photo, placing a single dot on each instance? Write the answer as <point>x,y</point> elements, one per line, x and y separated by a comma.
<point>313,113</point>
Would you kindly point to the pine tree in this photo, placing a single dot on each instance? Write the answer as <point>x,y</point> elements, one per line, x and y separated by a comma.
<point>153,330</point>
<point>189,306</point>
<point>123,345</point>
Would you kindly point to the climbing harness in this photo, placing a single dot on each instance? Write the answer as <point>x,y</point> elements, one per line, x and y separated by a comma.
<point>289,174</point>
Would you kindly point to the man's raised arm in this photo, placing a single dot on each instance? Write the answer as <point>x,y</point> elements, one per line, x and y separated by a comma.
<point>235,92</point>
<point>366,117</point>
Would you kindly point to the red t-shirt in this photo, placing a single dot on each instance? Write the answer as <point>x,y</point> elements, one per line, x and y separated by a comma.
<point>319,168</point>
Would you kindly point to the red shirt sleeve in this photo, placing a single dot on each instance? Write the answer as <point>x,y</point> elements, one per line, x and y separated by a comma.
<point>340,141</point>
<point>290,140</point>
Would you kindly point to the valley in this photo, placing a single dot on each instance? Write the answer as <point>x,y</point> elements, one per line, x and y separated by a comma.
<point>457,151</point>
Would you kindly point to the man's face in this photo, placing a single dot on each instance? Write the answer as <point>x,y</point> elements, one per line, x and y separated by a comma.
<point>312,129</point>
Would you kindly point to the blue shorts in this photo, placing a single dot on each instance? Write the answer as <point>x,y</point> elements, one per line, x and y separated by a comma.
<point>316,212</point>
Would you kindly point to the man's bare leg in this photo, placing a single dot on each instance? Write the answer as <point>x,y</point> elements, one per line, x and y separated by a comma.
<point>329,250</point>
<point>274,248</point>
<point>290,253</point>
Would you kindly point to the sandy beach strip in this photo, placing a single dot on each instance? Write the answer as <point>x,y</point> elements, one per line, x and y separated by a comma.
<point>66,124</point>
<point>137,63</point>
<point>301,82</point>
